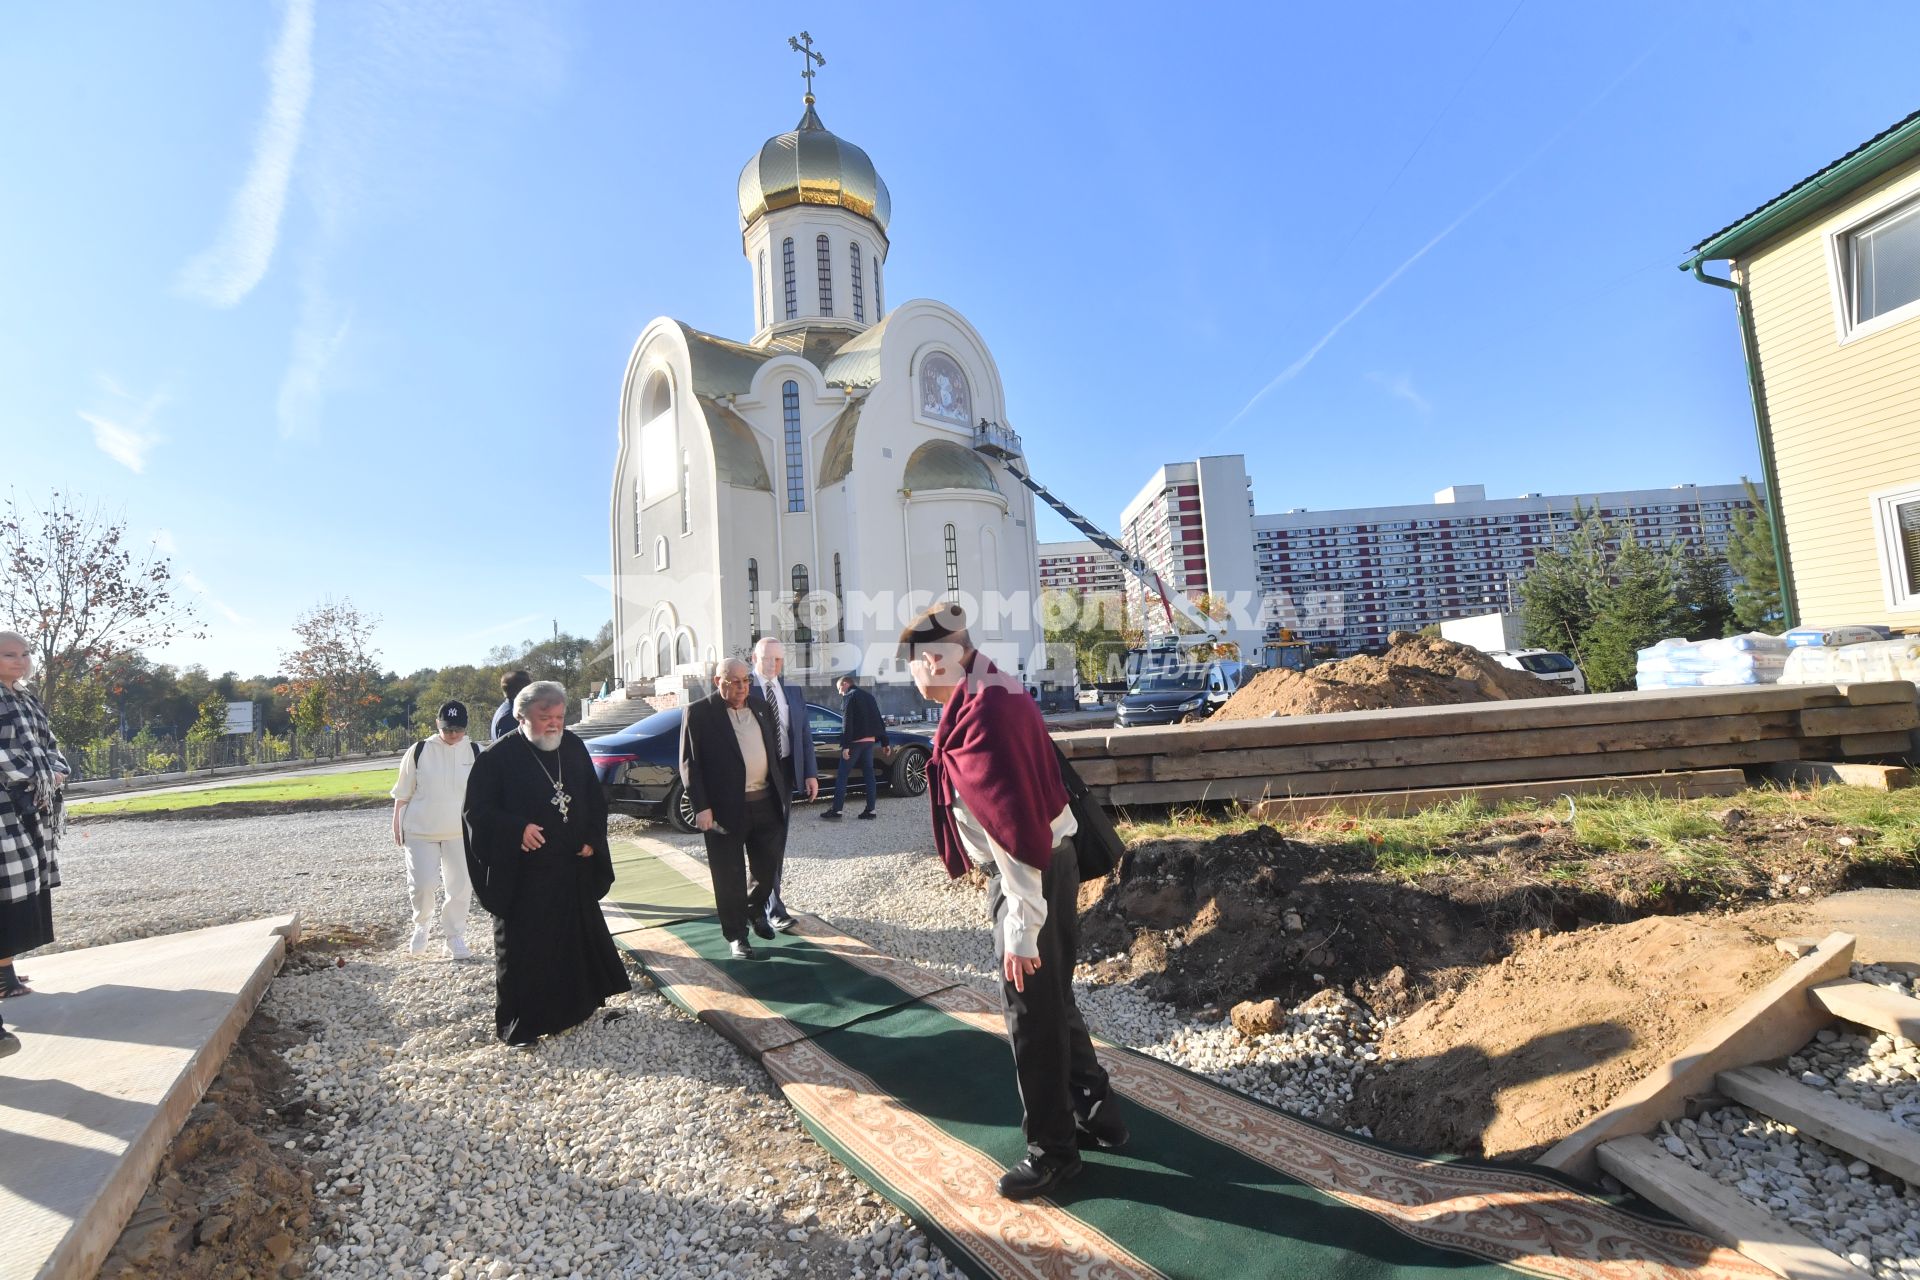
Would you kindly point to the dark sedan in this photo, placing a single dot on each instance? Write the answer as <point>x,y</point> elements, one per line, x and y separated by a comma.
<point>639,766</point>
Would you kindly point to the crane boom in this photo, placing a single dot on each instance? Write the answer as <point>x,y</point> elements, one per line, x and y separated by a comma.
<point>1003,446</point>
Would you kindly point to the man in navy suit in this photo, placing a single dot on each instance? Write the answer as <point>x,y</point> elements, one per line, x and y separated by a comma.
<point>794,734</point>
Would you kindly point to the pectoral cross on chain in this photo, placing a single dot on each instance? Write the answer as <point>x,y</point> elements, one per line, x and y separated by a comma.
<point>561,800</point>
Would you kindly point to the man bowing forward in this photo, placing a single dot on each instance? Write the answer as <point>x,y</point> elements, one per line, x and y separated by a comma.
<point>536,832</point>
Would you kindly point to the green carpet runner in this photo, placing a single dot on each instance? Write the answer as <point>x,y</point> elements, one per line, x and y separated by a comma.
<point>905,1076</point>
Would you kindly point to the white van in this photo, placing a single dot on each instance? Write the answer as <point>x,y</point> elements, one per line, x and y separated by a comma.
<point>1547,664</point>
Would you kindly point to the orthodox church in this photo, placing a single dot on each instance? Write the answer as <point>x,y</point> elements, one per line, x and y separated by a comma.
<point>817,481</point>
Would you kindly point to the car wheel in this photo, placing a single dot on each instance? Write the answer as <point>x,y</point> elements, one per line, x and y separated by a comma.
<point>909,775</point>
<point>679,810</point>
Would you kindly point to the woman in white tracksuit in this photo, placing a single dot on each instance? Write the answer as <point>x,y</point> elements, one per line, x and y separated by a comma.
<point>427,800</point>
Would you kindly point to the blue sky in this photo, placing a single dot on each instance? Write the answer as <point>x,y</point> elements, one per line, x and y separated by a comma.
<point>334,298</point>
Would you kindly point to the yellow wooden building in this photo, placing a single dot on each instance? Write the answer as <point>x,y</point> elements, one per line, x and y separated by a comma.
<point>1826,282</point>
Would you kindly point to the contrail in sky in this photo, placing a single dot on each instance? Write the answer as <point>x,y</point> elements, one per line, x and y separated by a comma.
<point>226,272</point>
<point>1293,370</point>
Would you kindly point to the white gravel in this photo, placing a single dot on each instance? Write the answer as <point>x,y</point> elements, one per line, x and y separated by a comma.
<point>1870,1218</point>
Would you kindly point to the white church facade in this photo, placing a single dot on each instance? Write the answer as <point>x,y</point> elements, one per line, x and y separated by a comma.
<point>818,481</point>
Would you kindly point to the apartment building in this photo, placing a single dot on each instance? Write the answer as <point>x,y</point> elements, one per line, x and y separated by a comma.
<point>1079,567</point>
<point>1192,524</point>
<point>1354,575</point>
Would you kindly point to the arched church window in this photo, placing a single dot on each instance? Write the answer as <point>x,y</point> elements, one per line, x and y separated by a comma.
<point>793,288</point>
<point>644,659</point>
<point>753,601</point>
<point>761,293</point>
<point>686,493</point>
<point>638,545</point>
<point>840,595</point>
<point>879,302</point>
<point>802,633</point>
<point>663,651</point>
<point>659,553</point>
<point>823,255</point>
<point>859,297</point>
<point>953,564</point>
<point>683,648</point>
<point>796,447</point>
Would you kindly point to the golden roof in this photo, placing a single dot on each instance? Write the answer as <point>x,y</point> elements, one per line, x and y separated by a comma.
<point>811,166</point>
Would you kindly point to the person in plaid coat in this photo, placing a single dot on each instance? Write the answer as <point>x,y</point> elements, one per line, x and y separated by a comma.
<point>32,772</point>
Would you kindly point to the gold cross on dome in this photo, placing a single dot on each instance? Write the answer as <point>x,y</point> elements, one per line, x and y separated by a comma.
<point>802,44</point>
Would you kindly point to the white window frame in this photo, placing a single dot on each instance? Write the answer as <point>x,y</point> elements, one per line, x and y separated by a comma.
<point>660,557</point>
<point>1839,275</point>
<point>1886,533</point>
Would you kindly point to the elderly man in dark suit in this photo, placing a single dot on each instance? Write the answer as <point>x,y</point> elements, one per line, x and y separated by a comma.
<point>793,732</point>
<point>730,766</point>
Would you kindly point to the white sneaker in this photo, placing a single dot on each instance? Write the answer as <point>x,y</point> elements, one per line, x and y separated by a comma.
<point>457,948</point>
<point>418,942</point>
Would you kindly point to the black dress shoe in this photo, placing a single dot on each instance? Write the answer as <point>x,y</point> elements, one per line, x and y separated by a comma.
<point>831,815</point>
<point>743,951</point>
<point>784,924</point>
<point>868,813</point>
<point>9,1044</point>
<point>760,925</point>
<point>1102,1126</point>
<point>1037,1176</point>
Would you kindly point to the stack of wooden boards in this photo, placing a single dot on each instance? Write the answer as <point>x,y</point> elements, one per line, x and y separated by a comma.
<point>1683,742</point>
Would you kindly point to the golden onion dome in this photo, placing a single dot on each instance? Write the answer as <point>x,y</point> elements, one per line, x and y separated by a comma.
<point>811,166</point>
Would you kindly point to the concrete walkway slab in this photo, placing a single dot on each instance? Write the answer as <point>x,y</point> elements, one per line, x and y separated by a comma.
<point>120,1042</point>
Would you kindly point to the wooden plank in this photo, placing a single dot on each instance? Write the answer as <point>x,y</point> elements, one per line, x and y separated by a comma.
<point>1514,745</point>
<point>1856,1130</point>
<point>1699,782</point>
<point>1873,692</point>
<point>1881,1008</point>
<point>1721,1213</point>
<point>1807,773</point>
<point>1874,744</point>
<point>1771,1023</point>
<point>1831,722</point>
<point>1478,717</point>
<point>1463,774</point>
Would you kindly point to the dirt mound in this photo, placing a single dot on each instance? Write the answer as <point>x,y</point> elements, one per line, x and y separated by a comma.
<point>1534,1045</point>
<point>1204,925</point>
<point>1415,671</point>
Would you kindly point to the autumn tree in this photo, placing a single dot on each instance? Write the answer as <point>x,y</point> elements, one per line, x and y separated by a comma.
<point>333,672</point>
<point>82,596</point>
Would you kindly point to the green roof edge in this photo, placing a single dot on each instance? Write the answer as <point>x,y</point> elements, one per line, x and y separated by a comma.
<point>1891,149</point>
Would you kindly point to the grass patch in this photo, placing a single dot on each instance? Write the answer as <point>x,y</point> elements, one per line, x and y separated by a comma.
<point>331,787</point>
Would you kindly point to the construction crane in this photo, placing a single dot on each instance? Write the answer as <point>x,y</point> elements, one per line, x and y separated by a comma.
<point>1002,444</point>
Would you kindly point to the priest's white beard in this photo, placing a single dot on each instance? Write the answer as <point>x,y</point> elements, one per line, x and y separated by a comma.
<point>544,741</point>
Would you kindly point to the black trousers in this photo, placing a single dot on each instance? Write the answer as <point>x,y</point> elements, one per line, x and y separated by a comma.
<point>733,855</point>
<point>1053,1057</point>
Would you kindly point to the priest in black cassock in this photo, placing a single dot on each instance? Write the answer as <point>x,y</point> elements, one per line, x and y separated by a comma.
<point>536,832</point>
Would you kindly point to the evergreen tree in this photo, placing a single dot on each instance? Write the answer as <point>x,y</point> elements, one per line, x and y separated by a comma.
<point>1750,551</point>
<point>1638,609</point>
<point>1566,588</point>
<point>1704,607</point>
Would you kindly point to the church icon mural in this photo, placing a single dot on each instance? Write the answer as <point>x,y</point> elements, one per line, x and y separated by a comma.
<point>943,391</point>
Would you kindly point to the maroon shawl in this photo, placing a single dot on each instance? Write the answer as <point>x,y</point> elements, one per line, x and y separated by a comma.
<point>992,746</point>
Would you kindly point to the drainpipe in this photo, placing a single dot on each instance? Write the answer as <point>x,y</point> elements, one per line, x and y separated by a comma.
<point>1763,428</point>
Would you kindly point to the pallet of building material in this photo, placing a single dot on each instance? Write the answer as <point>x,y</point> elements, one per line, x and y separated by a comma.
<point>1689,785</point>
<point>1737,755</point>
<point>1481,717</point>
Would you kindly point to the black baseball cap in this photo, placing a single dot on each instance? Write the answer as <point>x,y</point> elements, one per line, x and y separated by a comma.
<point>452,714</point>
